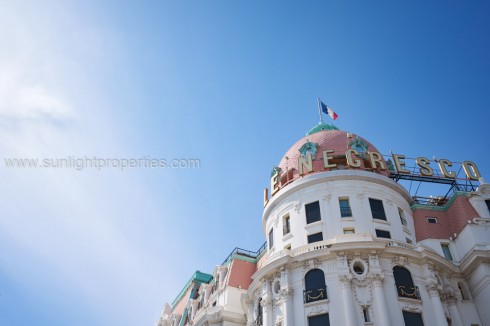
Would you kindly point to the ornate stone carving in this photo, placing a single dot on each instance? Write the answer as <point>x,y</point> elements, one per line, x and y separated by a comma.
<point>327,197</point>
<point>265,302</point>
<point>434,288</point>
<point>345,280</point>
<point>411,307</point>
<point>317,310</point>
<point>341,260</point>
<point>297,207</point>
<point>363,294</point>
<point>400,260</point>
<point>377,277</point>
<point>284,293</point>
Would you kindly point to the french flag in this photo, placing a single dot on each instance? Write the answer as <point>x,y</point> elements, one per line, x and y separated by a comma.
<point>328,111</point>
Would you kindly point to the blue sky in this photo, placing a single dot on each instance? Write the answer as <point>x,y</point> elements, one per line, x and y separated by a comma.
<point>231,83</point>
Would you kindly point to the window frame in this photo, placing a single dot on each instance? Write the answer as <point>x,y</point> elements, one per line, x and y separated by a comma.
<point>345,211</point>
<point>432,220</point>
<point>403,220</point>
<point>271,238</point>
<point>377,213</point>
<point>380,231</point>
<point>447,253</point>
<point>286,225</point>
<point>312,236</point>
<point>315,286</point>
<point>312,219</point>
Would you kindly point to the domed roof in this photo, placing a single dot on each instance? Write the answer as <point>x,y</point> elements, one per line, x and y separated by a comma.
<point>324,137</point>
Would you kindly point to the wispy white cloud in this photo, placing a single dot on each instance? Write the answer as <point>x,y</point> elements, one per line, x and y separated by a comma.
<point>83,228</point>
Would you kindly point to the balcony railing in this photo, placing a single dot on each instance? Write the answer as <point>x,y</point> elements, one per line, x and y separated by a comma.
<point>286,229</point>
<point>345,212</point>
<point>408,291</point>
<point>312,295</point>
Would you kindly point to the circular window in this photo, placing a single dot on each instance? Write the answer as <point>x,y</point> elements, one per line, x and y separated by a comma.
<point>358,268</point>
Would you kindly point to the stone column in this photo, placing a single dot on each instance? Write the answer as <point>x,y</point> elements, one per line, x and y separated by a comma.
<point>286,297</point>
<point>287,301</point>
<point>250,312</point>
<point>266,304</point>
<point>433,289</point>
<point>348,300</point>
<point>380,305</point>
<point>456,319</point>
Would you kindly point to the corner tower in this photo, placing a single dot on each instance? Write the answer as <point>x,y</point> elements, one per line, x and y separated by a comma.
<point>342,244</point>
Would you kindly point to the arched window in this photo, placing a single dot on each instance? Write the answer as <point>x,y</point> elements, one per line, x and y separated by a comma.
<point>315,288</point>
<point>404,283</point>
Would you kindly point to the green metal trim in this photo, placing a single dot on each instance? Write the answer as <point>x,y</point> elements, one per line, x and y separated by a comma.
<point>321,126</point>
<point>198,277</point>
<point>184,316</point>
<point>440,208</point>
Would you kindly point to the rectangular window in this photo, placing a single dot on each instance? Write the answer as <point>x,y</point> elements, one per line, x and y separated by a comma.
<point>345,210</point>
<point>447,252</point>
<point>286,229</point>
<point>315,237</point>
<point>402,216</point>
<point>312,212</point>
<point>349,231</point>
<point>383,234</point>
<point>412,318</point>
<point>377,209</point>
<point>367,318</point>
<point>319,320</point>
<point>432,220</point>
<point>271,238</point>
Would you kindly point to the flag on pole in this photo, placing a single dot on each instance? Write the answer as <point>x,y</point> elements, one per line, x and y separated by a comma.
<point>328,111</point>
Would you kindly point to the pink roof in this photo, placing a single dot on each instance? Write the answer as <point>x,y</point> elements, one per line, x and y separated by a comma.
<point>449,221</point>
<point>336,140</point>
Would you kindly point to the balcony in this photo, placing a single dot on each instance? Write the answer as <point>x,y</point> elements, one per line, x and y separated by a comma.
<point>313,295</point>
<point>345,212</point>
<point>411,292</point>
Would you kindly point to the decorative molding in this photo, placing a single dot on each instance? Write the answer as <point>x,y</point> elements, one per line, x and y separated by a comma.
<point>434,288</point>
<point>411,307</point>
<point>317,310</point>
<point>297,207</point>
<point>284,293</point>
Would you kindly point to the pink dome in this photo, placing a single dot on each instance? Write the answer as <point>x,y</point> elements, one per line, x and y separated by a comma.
<point>338,141</point>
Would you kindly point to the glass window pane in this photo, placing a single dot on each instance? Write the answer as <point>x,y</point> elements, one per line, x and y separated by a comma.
<point>315,237</point>
<point>312,212</point>
<point>377,209</point>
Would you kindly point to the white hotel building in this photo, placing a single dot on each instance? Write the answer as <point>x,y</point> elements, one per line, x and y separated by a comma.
<point>350,246</point>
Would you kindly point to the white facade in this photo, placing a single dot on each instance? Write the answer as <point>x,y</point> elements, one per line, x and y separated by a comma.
<point>373,269</point>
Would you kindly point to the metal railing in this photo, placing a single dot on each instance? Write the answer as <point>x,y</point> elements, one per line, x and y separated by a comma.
<point>246,253</point>
<point>286,229</point>
<point>312,295</point>
<point>408,292</point>
<point>345,212</point>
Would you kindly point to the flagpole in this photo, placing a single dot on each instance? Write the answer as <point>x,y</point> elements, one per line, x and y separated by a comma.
<point>320,111</point>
